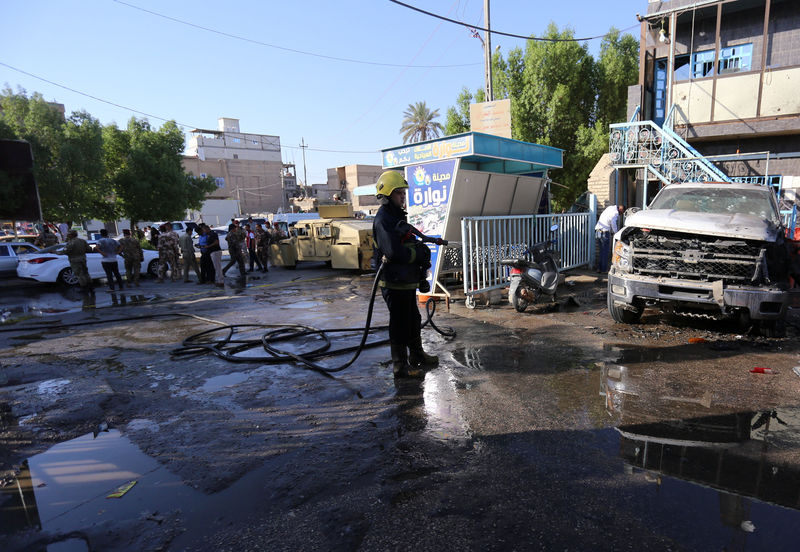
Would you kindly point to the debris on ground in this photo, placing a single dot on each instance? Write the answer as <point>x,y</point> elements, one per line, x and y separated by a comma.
<point>122,489</point>
<point>761,370</point>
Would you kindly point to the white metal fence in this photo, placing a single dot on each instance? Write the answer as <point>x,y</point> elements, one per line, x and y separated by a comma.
<point>488,240</point>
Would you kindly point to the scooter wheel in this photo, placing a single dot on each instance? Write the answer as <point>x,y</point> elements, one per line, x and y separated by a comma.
<point>515,296</point>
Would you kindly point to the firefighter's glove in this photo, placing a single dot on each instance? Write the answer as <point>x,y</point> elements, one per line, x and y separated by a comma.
<point>424,286</point>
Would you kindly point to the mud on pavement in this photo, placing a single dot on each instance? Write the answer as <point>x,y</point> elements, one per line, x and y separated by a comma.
<point>549,428</point>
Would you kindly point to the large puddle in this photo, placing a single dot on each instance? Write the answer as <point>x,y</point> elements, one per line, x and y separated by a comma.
<point>729,481</point>
<point>737,475</point>
<point>66,488</point>
<point>69,300</point>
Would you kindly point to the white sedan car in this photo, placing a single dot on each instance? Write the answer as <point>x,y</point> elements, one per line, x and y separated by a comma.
<point>46,265</point>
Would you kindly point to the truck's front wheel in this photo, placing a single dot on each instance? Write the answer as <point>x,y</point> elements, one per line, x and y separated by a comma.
<point>622,315</point>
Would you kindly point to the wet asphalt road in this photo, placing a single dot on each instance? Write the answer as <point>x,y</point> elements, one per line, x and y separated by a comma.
<point>551,429</point>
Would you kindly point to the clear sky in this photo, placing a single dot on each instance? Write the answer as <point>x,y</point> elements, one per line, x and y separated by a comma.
<point>173,70</point>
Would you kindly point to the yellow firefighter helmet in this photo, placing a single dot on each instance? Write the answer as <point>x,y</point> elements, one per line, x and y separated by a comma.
<point>388,182</point>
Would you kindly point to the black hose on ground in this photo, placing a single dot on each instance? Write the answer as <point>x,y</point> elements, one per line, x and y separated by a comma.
<point>233,350</point>
<point>229,348</point>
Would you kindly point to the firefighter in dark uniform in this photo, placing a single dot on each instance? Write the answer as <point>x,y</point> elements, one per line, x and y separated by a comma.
<point>402,255</point>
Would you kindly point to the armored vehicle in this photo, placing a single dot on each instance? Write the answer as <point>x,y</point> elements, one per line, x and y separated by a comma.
<point>337,238</point>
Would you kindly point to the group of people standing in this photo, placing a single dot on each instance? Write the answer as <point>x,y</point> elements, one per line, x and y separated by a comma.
<point>249,242</point>
<point>243,242</point>
<point>129,247</point>
<point>171,248</point>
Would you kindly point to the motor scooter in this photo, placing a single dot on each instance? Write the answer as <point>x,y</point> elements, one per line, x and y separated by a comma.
<point>534,274</point>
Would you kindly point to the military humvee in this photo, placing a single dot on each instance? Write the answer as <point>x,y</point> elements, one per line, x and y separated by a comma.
<point>336,238</point>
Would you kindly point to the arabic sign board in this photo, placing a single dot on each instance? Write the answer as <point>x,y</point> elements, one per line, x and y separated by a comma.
<point>430,187</point>
<point>491,117</point>
<point>436,150</point>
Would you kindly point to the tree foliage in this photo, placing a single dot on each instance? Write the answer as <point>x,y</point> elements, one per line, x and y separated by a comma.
<point>457,119</point>
<point>145,171</point>
<point>419,125</point>
<point>561,96</point>
<point>617,68</point>
<point>87,171</point>
<point>67,154</point>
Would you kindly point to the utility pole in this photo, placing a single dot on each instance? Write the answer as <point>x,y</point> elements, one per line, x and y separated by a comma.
<point>303,146</point>
<point>487,52</point>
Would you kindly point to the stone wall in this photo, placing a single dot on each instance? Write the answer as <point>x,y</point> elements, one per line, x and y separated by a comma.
<point>601,182</point>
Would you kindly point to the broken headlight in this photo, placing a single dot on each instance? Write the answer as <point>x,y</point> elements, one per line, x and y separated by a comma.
<point>621,257</point>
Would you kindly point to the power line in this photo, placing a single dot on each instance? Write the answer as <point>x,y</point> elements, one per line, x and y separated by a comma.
<point>328,150</point>
<point>285,49</point>
<point>399,76</point>
<point>457,22</point>
<point>89,95</point>
<point>150,114</point>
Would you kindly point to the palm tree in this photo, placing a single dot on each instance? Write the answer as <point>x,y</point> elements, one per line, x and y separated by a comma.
<point>419,124</point>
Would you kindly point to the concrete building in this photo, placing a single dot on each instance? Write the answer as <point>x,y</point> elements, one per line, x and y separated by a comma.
<point>345,179</point>
<point>247,167</point>
<point>716,99</point>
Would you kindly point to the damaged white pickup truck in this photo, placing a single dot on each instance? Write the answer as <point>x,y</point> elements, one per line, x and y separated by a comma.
<point>710,249</point>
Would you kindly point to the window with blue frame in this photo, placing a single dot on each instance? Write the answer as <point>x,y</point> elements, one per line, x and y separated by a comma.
<point>735,59</point>
<point>660,91</point>
<point>703,64</point>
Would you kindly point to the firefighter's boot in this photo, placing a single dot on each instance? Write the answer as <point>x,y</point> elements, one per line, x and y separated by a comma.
<point>400,366</point>
<point>419,357</point>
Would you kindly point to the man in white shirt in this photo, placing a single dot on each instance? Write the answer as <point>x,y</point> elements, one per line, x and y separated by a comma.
<point>607,225</point>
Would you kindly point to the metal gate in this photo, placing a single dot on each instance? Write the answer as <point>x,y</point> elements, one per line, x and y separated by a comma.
<point>488,240</point>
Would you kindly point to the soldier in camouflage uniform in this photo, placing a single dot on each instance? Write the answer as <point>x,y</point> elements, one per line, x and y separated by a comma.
<point>46,238</point>
<point>235,238</point>
<point>168,252</point>
<point>189,258</point>
<point>262,246</point>
<point>132,253</point>
<point>76,250</point>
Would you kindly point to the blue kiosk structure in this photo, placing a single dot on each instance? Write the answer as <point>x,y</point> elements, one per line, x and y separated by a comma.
<point>468,175</point>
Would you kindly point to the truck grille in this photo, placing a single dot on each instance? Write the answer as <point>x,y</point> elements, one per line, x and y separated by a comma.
<point>695,259</point>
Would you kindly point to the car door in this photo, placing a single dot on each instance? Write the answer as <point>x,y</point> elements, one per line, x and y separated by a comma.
<point>323,243</point>
<point>94,265</point>
<point>8,260</point>
<point>305,241</point>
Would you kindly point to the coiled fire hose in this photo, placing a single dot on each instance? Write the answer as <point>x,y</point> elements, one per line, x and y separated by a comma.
<point>233,348</point>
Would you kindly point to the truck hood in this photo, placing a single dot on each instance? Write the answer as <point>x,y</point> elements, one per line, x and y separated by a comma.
<point>735,225</point>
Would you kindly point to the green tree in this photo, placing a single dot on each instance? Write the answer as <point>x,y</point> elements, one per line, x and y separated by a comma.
<point>145,170</point>
<point>67,156</point>
<point>418,123</point>
<point>457,119</point>
<point>617,69</point>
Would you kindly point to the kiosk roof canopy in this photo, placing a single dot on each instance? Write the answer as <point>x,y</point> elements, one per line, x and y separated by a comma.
<point>478,151</point>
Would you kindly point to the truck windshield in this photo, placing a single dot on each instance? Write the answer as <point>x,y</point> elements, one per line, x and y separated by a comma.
<point>720,201</point>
